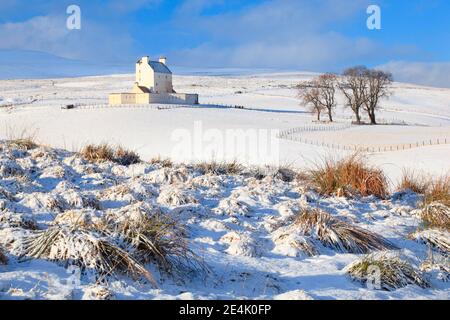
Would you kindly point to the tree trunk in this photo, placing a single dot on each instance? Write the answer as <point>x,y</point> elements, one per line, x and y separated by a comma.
<point>330,115</point>
<point>358,117</point>
<point>318,116</point>
<point>373,119</point>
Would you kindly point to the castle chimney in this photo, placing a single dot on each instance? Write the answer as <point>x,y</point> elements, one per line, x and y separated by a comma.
<point>145,59</point>
<point>163,60</point>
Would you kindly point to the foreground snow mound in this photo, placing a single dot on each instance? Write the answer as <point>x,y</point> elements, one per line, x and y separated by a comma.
<point>82,230</point>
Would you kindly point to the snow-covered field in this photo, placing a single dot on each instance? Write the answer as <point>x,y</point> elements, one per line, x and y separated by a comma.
<point>416,115</point>
<point>240,226</point>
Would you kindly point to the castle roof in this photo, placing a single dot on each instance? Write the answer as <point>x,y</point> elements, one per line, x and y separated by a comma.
<point>159,67</point>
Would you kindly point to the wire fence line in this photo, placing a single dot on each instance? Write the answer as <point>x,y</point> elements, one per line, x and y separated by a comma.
<point>128,106</point>
<point>292,135</point>
<point>287,134</point>
<point>156,106</point>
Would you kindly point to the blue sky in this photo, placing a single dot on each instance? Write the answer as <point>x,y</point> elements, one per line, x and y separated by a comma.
<point>311,35</point>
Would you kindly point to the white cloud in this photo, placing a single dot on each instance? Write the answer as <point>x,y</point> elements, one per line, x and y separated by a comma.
<point>432,74</point>
<point>278,34</point>
<point>49,34</point>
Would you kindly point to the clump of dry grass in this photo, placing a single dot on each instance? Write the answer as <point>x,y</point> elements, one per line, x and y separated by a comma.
<point>433,189</point>
<point>100,153</point>
<point>143,232</point>
<point>438,191</point>
<point>283,172</point>
<point>349,176</point>
<point>164,163</point>
<point>176,197</point>
<point>219,168</point>
<point>86,249</point>
<point>338,234</point>
<point>23,143</point>
<point>105,153</point>
<point>436,215</point>
<point>435,207</point>
<point>3,258</point>
<point>23,139</point>
<point>156,238</point>
<point>415,182</point>
<point>393,272</point>
<point>126,157</point>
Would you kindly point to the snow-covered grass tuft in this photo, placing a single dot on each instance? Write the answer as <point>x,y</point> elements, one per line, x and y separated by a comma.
<point>219,168</point>
<point>340,235</point>
<point>83,218</point>
<point>293,244</point>
<point>436,215</point>
<point>436,238</point>
<point>86,249</point>
<point>17,220</point>
<point>100,293</point>
<point>387,271</point>
<point>3,258</point>
<point>349,176</point>
<point>156,238</point>
<point>176,197</point>
<point>233,207</point>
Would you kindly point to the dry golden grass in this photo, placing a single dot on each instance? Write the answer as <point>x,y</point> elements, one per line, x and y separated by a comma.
<point>106,153</point>
<point>23,139</point>
<point>433,189</point>
<point>415,182</point>
<point>337,234</point>
<point>393,272</point>
<point>349,176</point>
<point>438,191</point>
<point>23,143</point>
<point>435,206</point>
<point>164,163</point>
<point>100,153</point>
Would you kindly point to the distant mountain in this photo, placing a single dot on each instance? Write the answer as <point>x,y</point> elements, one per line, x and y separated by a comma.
<point>22,64</point>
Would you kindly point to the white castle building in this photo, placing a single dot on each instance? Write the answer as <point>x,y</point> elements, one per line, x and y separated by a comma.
<point>153,85</point>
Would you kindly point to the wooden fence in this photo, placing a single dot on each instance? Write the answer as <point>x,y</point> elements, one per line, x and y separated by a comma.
<point>292,135</point>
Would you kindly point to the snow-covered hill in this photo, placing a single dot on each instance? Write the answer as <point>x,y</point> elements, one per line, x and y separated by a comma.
<point>59,211</point>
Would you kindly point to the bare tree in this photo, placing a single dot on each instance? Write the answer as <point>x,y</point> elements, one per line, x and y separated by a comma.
<point>320,94</point>
<point>378,87</point>
<point>353,84</point>
<point>327,92</point>
<point>309,93</point>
